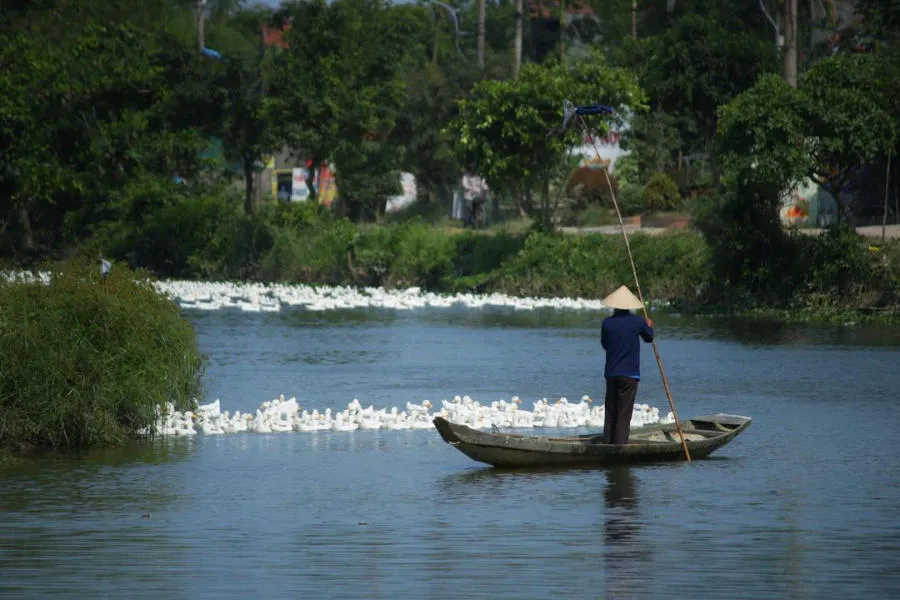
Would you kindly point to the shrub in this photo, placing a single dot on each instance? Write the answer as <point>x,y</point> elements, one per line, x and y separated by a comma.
<point>87,361</point>
<point>888,261</point>
<point>202,232</point>
<point>374,251</point>
<point>424,256</point>
<point>661,194</point>
<point>670,266</point>
<point>835,264</point>
<point>478,256</point>
<point>631,199</point>
<point>316,254</point>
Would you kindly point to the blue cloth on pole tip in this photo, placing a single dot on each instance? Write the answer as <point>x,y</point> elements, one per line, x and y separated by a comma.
<point>570,110</point>
<point>594,109</point>
<point>212,53</point>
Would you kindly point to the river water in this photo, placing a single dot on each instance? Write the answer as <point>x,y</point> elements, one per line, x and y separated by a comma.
<point>804,504</point>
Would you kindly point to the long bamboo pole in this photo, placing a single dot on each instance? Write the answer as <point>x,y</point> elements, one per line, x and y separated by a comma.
<point>637,284</point>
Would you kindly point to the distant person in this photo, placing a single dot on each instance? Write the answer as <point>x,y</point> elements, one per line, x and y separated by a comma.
<point>475,192</point>
<point>619,337</point>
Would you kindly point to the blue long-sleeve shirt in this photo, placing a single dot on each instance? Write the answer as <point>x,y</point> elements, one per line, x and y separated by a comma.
<point>619,337</point>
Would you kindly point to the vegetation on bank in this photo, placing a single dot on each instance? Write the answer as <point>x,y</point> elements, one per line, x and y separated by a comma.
<point>87,360</point>
<point>826,274</point>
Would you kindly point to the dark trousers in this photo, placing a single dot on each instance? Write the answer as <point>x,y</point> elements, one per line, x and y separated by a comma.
<point>620,393</point>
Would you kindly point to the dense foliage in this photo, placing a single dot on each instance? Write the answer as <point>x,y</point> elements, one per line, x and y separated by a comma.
<point>124,137</point>
<point>87,360</point>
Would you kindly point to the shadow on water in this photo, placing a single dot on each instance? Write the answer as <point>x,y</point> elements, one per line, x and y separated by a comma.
<point>487,474</point>
<point>483,481</point>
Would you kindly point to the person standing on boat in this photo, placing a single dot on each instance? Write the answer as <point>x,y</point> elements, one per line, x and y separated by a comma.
<point>619,337</point>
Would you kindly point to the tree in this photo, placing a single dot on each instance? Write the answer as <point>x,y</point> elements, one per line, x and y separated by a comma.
<point>239,81</point>
<point>506,128</point>
<point>430,101</point>
<point>771,137</point>
<point>761,143</point>
<point>848,118</point>
<point>762,139</point>
<point>695,67</point>
<point>85,117</point>
<point>29,177</point>
<point>338,81</point>
<point>881,19</point>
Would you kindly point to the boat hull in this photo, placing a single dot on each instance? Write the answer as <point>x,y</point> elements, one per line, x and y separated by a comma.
<point>704,435</point>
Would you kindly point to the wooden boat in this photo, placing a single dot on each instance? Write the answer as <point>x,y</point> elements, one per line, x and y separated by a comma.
<point>703,435</point>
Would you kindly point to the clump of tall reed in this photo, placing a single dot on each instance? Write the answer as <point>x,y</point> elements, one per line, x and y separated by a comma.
<point>86,360</point>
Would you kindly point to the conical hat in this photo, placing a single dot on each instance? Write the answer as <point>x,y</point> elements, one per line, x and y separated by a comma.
<point>622,298</point>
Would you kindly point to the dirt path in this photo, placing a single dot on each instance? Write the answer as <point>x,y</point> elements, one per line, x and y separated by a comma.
<point>871,231</point>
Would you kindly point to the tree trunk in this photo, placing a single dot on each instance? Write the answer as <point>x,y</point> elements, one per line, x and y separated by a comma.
<point>27,234</point>
<point>634,19</point>
<point>887,188</point>
<point>480,33</point>
<point>545,204</point>
<point>434,43</point>
<point>790,42</point>
<point>840,211</point>
<point>201,43</point>
<point>517,198</point>
<point>248,187</point>
<point>517,41</point>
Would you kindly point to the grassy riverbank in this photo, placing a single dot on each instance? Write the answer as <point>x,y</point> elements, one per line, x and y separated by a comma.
<point>86,360</point>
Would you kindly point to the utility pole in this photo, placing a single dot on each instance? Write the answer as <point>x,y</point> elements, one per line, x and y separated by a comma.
<point>517,44</point>
<point>480,33</point>
<point>201,44</point>
<point>634,19</point>
<point>790,42</point>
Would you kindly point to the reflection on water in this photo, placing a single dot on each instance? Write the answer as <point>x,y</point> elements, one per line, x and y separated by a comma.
<point>622,555</point>
<point>621,506</point>
<point>790,509</point>
<point>766,332</point>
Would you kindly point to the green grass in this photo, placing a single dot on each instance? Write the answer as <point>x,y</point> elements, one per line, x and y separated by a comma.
<point>86,361</point>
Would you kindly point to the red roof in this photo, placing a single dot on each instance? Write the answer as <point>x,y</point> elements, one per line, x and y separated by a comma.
<point>275,37</point>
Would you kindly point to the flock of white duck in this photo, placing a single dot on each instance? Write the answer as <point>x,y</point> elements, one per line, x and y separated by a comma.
<point>282,415</point>
<point>259,297</point>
